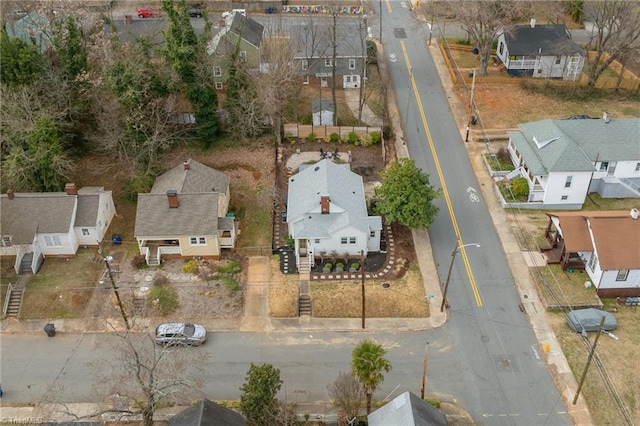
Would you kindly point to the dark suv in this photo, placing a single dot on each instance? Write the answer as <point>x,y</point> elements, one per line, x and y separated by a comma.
<point>194,12</point>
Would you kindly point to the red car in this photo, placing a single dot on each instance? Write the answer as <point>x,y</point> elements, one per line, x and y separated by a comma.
<point>147,12</point>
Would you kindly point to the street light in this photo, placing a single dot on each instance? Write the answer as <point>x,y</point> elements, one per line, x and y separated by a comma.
<point>453,257</point>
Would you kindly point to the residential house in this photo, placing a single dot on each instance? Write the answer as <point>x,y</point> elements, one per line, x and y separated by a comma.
<point>207,413</point>
<point>314,58</point>
<point>327,212</point>
<point>185,214</point>
<point>47,224</point>
<point>239,34</point>
<point>33,28</point>
<point>605,244</point>
<point>564,160</point>
<point>407,409</point>
<point>322,112</point>
<point>540,51</point>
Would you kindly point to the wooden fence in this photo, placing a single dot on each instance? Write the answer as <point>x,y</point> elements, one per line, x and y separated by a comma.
<point>303,131</point>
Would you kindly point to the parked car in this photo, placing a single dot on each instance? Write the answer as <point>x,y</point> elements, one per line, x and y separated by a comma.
<point>147,12</point>
<point>180,333</point>
<point>194,12</point>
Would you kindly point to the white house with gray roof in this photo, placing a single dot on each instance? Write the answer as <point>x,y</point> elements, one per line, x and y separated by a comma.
<point>327,212</point>
<point>42,224</point>
<point>564,160</point>
<point>185,214</point>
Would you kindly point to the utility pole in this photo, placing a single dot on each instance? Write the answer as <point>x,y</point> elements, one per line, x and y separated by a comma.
<point>453,257</point>
<point>362,269</point>
<point>423,384</point>
<point>586,367</point>
<point>380,21</point>
<point>473,86</point>
<point>115,290</point>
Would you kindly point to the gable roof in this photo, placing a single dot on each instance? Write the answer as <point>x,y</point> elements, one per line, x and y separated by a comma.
<point>33,29</point>
<point>615,233</point>
<point>407,410</point>
<point>28,214</point>
<point>250,30</point>
<point>314,40</point>
<point>196,215</point>
<point>318,105</point>
<point>88,205</point>
<point>207,413</point>
<point>196,179</point>
<point>576,145</point>
<point>347,204</point>
<point>541,40</point>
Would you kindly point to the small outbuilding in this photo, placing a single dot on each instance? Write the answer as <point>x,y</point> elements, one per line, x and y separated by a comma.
<point>322,111</point>
<point>407,410</point>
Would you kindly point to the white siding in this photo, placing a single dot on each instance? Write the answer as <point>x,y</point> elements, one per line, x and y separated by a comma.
<point>555,188</point>
<point>608,280</point>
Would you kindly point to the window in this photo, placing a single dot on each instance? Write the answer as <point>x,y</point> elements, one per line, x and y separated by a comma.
<point>243,55</point>
<point>622,275</point>
<point>198,241</point>
<point>501,48</point>
<point>539,70</point>
<point>352,64</point>
<point>305,65</point>
<point>344,240</point>
<point>593,261</point>
<point>328,62</point>
<point>347,79</point>
<point>6,241</point>
<point>85,231</point>
<point>564,197</point>
<point>317,241</point>
<point>372,234</point>
<point>605,165</point>
<point>219,86</point>
<point>558,60</point>
<point>52,241</point>
<point>567,183</point>
<point>217,72</point>
<point>305,79</point>
<point>352,240</point>
<point>637,167</point>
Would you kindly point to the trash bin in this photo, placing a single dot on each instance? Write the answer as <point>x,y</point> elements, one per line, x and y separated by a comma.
<point>474,119</point>
<point>117,239</point>
<point>50,329</point>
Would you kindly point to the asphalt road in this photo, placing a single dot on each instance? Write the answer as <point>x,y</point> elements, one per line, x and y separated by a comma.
<point>498,375</point>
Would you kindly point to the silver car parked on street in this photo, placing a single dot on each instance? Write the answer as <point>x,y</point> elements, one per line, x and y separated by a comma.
<point>180,333</point>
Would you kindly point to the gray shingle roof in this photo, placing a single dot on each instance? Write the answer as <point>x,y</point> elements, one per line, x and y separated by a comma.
<point>199,178</point>
<point>197,215</point>
<point>31,213</point>
<point>315,40</point>
<point>575,145</point>
<point>542,39</point>
<point>347,201</point>
<point>250,30</point>
<point>318,105</point>
<point>88,205</point>
<point>407,410</point>
<point>207,413</point>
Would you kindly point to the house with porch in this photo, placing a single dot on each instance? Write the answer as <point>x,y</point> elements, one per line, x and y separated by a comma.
<point>327,213</point>
<point>52,224</point>
<point>564,160</point>
<point>185,215</point>
<point>314,58</point>
<point>605,244</point>
<point>540,51</point>
<point>240,34</point>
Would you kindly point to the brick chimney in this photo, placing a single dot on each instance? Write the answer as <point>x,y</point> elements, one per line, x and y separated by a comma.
<point>324,204</point>
<point>186,165</point>
<point>172,196</point>
<point>10,194</point>
<point>71,189</point>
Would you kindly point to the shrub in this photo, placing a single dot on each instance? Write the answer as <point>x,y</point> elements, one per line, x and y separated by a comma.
<point>340,265</point>
<point>165,299</point>
<point>291,242</point>
<point>334,137</point>
<point>233,267</point>
<point>375,138</point>
<point>327,266</point>
<point>311,137</point>
<point>353,138</point>
<point>230,283</point>
<point>355,266</point>
<point>160,279</point>
<point>289,137</point>
<point>520,187</point>
<point>366,140</point>
<point>191,267</point>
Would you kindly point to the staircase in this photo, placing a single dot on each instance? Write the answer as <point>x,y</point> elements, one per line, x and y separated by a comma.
<point>304,305</point>
<point>25,263</point>
<point>514,174</point>
<point>153,260</point>
<point>13,301</point>
<point>304,266</point>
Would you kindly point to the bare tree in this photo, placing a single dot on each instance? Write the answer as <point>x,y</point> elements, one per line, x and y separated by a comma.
<point>617,33</point>
<point>141,376</point>
<point>484,21</point>
<point>347,393</point>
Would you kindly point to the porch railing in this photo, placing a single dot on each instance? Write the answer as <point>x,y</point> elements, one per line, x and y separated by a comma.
<point>7,297</point>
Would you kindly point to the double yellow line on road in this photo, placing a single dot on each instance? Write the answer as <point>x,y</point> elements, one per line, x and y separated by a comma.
<point>445,192</point>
